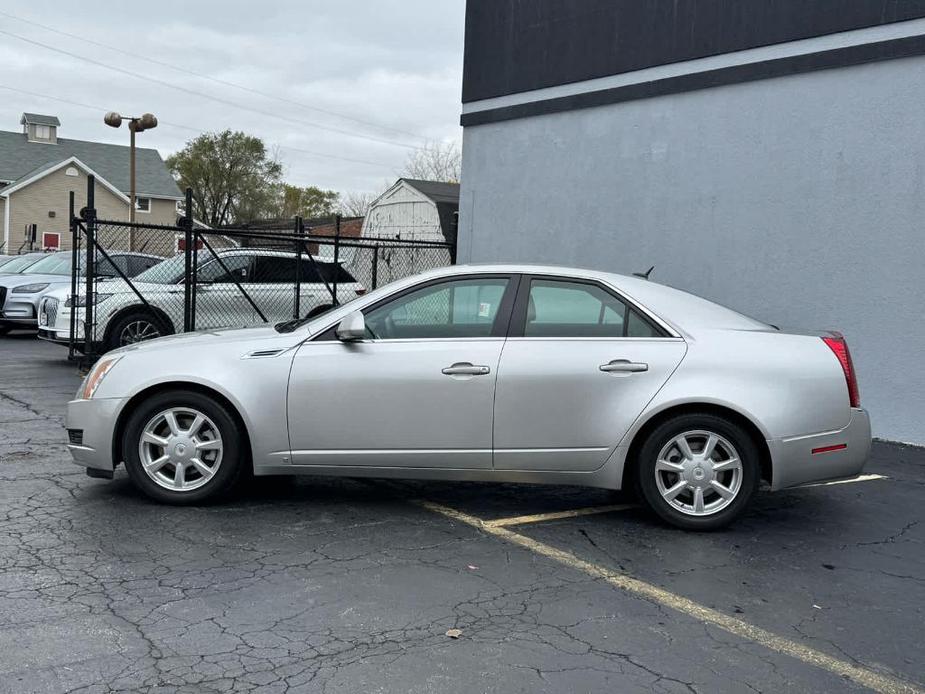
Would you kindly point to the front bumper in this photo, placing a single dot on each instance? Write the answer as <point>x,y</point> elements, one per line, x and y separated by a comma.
<point>839,454</point>
<point>96,420</point>
<point>19,312</point>
<point>57,336</point>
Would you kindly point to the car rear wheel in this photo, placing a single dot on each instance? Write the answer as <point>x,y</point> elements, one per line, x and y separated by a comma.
<point>182,447</point>
<point>698,471</point>
<point>134,327</point>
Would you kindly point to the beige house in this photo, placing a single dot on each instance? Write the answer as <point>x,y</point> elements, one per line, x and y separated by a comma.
<point>38,170</point>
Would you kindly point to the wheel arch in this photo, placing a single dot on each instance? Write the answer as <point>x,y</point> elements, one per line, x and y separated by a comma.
<point>149,391</point>
<point>657,418</point>
<point>158,312</point>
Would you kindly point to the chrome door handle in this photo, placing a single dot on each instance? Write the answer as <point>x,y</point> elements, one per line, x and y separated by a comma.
<point>465,368</point>
<point>623,366</point>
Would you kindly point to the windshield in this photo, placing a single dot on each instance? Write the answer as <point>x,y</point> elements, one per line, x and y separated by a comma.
<point>55,264</point>
<point>21,263</point>
<point>169,271</point>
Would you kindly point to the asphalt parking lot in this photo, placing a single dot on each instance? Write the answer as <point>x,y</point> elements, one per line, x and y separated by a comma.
<point>304,585</point>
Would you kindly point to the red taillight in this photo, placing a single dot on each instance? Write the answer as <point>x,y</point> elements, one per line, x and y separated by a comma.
<point>840,348</point>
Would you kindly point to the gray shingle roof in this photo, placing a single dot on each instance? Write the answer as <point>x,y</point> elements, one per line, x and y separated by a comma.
<point>19,158</point>
<point>39,119</point>
<point>435,190</point>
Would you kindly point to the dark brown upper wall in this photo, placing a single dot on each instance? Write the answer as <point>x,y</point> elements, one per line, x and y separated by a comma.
<point>517,45</point>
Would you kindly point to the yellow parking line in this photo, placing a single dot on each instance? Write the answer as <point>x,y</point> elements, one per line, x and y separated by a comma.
<point>556,515</point>
<point>862,676</point>
<point>859,478</point>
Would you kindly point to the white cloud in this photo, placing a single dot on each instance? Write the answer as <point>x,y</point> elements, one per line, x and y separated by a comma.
<point>392,62</point>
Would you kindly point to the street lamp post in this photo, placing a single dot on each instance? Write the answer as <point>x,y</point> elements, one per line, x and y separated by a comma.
<point>136,124</point>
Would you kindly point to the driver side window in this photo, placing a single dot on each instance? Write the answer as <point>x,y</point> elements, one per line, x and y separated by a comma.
<point>455,309</point>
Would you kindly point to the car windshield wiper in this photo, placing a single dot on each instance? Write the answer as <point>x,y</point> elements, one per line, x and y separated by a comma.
<point>287,326</point>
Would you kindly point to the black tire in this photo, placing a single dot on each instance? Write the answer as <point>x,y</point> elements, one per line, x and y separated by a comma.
<point>115,334</point>
<point>233,462</point>
<point>318,310</point>
<point>648,484</point>
<point>4,330</point>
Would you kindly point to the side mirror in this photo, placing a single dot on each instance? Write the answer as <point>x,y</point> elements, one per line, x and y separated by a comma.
<point>351,328</point>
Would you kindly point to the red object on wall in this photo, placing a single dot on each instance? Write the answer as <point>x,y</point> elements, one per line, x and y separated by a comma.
<point>181,245</point>
<point>51,239</point>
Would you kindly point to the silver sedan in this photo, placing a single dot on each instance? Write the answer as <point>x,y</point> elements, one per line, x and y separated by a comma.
<point>506,373</point>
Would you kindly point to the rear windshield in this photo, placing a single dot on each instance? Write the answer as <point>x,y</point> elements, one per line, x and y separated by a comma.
<point>687,310</point>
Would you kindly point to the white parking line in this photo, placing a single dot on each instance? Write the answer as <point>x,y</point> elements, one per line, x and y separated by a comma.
<point>556,515</point>
<point>859,478</point>
<point>863,676</point>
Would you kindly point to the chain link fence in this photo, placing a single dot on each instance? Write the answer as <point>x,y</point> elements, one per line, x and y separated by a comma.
<point>161,280</point>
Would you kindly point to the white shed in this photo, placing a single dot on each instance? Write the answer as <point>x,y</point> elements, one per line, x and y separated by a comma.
<point>414,210</point>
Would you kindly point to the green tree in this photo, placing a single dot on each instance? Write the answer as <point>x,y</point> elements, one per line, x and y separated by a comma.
<point>307,202</point>
<point>233,177</point>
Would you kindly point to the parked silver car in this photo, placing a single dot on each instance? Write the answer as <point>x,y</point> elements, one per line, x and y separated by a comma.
<point>506,373</point>
<point>20,293</point>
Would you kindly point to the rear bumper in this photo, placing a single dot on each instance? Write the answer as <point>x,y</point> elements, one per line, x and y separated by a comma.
<point>96,420</point>
<point>838,454</point>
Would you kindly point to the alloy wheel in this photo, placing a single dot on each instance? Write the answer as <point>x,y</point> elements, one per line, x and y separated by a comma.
<point>180,449</point>
<point>138,331</point>
<point>698,473</point>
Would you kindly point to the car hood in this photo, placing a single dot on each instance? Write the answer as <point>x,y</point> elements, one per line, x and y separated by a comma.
<point>251,339</point>
<point>116,286</point>
<point>11,281</point>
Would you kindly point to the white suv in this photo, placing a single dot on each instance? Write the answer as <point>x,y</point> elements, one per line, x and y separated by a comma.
<point>267,277</point>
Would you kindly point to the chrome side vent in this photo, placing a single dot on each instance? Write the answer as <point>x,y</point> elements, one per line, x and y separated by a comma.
<point>261,353</point>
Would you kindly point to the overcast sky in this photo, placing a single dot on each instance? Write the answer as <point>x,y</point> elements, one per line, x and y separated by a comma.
<point>394,64</point>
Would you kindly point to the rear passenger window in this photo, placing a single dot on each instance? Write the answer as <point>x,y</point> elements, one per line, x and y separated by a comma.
<point>576,309</point>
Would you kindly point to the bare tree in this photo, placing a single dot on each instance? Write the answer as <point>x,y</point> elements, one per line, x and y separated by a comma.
<point>356,204</point>
<point>435,161</point>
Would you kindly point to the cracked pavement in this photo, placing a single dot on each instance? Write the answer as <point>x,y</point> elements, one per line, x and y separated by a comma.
<point>323,585</point>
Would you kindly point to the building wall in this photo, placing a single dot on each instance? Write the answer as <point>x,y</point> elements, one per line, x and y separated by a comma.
<point>799,200</point>
<point>32,204</point>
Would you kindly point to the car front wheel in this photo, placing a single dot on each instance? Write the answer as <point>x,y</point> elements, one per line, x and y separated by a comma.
<point>134,327</point>
<point>698,471</point>
<point>182,447</point>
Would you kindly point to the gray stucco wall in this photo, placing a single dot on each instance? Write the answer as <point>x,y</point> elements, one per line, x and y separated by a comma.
<point>798,200</point>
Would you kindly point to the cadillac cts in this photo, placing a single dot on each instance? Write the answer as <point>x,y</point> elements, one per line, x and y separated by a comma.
<point>500,373</point>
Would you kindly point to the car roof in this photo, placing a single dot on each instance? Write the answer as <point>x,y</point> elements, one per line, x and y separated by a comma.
<point>271,253</point>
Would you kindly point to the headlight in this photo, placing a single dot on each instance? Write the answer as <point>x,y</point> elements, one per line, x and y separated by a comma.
<point>30,288</point>
<point>96,376</point>
<point>82,300</point>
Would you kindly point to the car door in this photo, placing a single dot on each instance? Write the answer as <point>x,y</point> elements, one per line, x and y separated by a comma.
<point>578,368</point>
<point>418,392</point>
<point>220,292</point>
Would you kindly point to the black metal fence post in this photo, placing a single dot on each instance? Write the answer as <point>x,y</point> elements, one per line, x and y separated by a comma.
<point>75,270</point>
<point>336,258</point>
<point>375,266</point>
<point>188,288</point>
<point>300,241</point>
<point>89,215</point>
